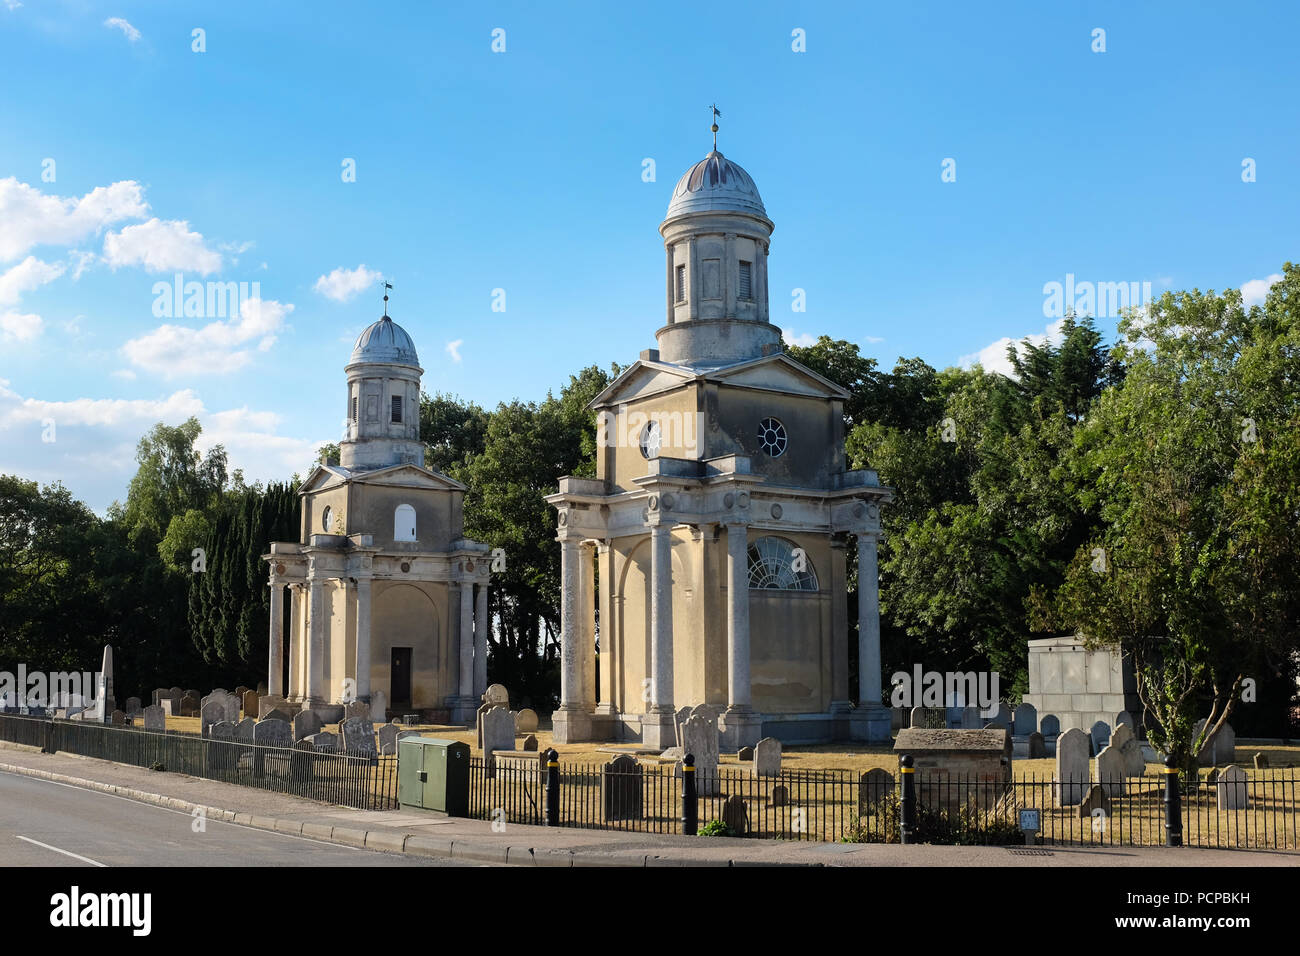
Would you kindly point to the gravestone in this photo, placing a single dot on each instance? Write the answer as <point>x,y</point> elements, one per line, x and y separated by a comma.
<point>133,706</point>
<point>735,816</point>
<point>244,729</point>
<point>1097,799</point>
<point>1111,771</point>
<point>707,711</point>
<point>621,792</point>
<point>174,694</point>
<point>306,723</point>
<point>268,703</point>
<point>1002,716</point>
<point>273,732</point>
<point>357,708</point>
<point>1231,790</point>
<point>240,691</point>
<point>214,711</point>
<point>497,694</point>
<point>478,721</point>
<point>679,723</point>
<point>780,795</point>
<point>159,693</point>
<point>189,704</point>
<point>1100,736</point>
<point>498,734</point>
<point>387,734</point>
<point>154,718</point>
<point>874,786</point>
<point>767,757</point>
<point>1126,742</point>
<point>1037,747</point>
<point>1261,761</point>
<point>701,736</point>
<point>249,701</point>
<point>529,743</point>
<point>929,718</point>
<point>378,705</point>
<point>118,718</point>
<point>745,753</point>
<point>526,721</point>
<point>277,714</point>
<point>359,736</point>
<point>1050,727</point>
<point>324,742</point>
<point>1072,766</point>
<point>262,689</point>
<point>1025,720</point>
<point>1219,748</point>
<point>222,730</point>
<point>1123,717</point>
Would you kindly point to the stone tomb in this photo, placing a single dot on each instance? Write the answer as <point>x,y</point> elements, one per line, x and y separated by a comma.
<point>946,759</point>
<point>1072,767</point>
<point>1231,790</point>
<point>621,789</point>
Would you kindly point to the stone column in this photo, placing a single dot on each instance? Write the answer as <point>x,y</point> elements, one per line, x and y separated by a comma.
<point>275,666</point>
<point>605,686</point>
<point>572,721</point>
<point>738,683</point>
<point>672,292</point>
<point>657,724</point>
<point>482,623</point>
<point>693,279</point>
<point>759,282</point>
<point>868,623</point>
<point>586,692</point>
<point>295,688</point>
<point>363,638</point>
<point>316,692</point>
<point>466,640</point>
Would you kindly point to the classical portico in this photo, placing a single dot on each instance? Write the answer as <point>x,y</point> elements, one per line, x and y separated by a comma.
<point>386,599</point>
<point>711,546</point>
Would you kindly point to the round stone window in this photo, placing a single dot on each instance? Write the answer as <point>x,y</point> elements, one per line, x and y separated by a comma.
<point>327,519</point>
<point>650,440</point>
<point>771,437</point>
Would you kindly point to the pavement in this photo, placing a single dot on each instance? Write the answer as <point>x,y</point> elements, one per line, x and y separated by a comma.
<point>422,835</point>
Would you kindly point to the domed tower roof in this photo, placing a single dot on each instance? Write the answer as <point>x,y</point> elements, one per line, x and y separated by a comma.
<point>715,183</point>
<point>385,342</point>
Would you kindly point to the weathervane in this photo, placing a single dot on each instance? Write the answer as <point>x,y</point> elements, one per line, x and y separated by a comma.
<point>716,113</point>
<point>387,286</point>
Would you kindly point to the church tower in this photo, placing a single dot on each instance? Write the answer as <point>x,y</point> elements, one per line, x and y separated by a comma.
<point>720,515</point>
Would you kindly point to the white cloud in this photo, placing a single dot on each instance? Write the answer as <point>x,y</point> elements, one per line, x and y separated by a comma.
<point>453,349</point>
<point>17,327</point>
<point>30,218</point>
<point>128,31</point>
<point>1255,291</point>
<point>215,349</point>
<point>343,284</point>
<point>161,246</point>
<point>16,411</point>
<point>873,339</point>
<point>993,357</point>
<point>12,4</point>
<point>803,341</point>
<point>29,274</point>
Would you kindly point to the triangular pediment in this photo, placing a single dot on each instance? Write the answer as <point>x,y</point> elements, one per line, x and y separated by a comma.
<point>778,373</point>
<point>396,476</point>
<point>642,378</point>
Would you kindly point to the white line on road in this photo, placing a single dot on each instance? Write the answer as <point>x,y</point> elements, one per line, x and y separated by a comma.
<point>75,856</point>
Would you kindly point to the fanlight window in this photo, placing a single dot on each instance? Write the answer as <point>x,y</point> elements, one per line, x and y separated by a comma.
<point>404,523</point>
<point>772,564</point>
<point>650,440</point>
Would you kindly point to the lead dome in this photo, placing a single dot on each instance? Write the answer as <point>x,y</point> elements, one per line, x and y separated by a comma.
<point>385,342</point>
<point>715,183</point>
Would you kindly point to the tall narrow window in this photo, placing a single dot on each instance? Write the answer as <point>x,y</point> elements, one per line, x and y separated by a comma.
<point>681,283</point>
<point>404,523</point>
<point>746,280</point>
<point>354,408</point>
<point>397,409</point>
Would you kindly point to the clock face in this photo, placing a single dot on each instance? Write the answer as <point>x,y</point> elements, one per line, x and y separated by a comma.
<point>327,520</point>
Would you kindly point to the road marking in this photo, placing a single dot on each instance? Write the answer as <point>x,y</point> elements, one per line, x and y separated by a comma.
<point>75,856</point>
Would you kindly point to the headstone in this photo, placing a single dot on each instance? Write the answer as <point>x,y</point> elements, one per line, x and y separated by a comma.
<point>1096,799</point>
<point>324,742</point>
<point>498,734</point>
<point>154,718</point>
<point>745,753</point>
<point>701,739</point>
<point>874,786</point>
<point>1072,766</point>
<point>273,732</point>
<point>214,711</point>
<point>1100,736</point>
<point>497,694</point>
<point>118,718</point>
<point>266,704</point>
<point>529,743</point>
<point>707,711</point>
<point>1126,742</point>
<point>240,691</point>
<point>378,705</point>
<point>1111,771</point>
<point>1050,727</point>
<point>679,722</point>
<point>306,723</point>
<point>277,714</point>
<point>249,702</point>
<point>222,730</point>
<point>174,694</point>
<point>133,706</point>
<point>929,718</point>
<point>1231,789</point>
<point>262,689</point>
<point>357,708</point>
<point>526,721</point>
<point>359,736</point>
<point>1003,716</point>
<point>1261,761</point>
<point>159,694</point>
<point>387,734</point>
<point>767,757</point>
<point>734,815</point>
<point>1037,747</point>
<point>1219,748</point>
<point>478,721</point>
<point>189,704</point>
<point>621,788</point>
<point>780,795</point>
<point>1124,717</point>
<point>244,730</point>
<point>1025,720</point>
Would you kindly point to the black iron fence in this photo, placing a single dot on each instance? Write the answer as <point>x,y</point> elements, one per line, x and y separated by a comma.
<point>363,781</point>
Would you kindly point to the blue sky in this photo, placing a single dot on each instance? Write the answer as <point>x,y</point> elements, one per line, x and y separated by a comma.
<point>522,170</point>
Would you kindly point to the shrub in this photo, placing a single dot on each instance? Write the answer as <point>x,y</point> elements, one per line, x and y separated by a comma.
<point>715,828</point>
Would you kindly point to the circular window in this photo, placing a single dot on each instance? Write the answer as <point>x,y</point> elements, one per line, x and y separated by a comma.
<point>326,519</point>
<point>771,437</point>
<point>650,440</point>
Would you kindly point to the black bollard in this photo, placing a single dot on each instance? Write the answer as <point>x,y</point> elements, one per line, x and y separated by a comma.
<point>907,816</point>
<point>690,797</point>
<point>552,788</point>
<point>1173,804</point>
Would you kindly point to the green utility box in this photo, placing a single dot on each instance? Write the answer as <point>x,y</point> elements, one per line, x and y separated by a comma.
<point>433,774</point>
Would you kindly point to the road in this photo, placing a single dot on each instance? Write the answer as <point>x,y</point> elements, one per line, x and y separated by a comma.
<point>43,823</point>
